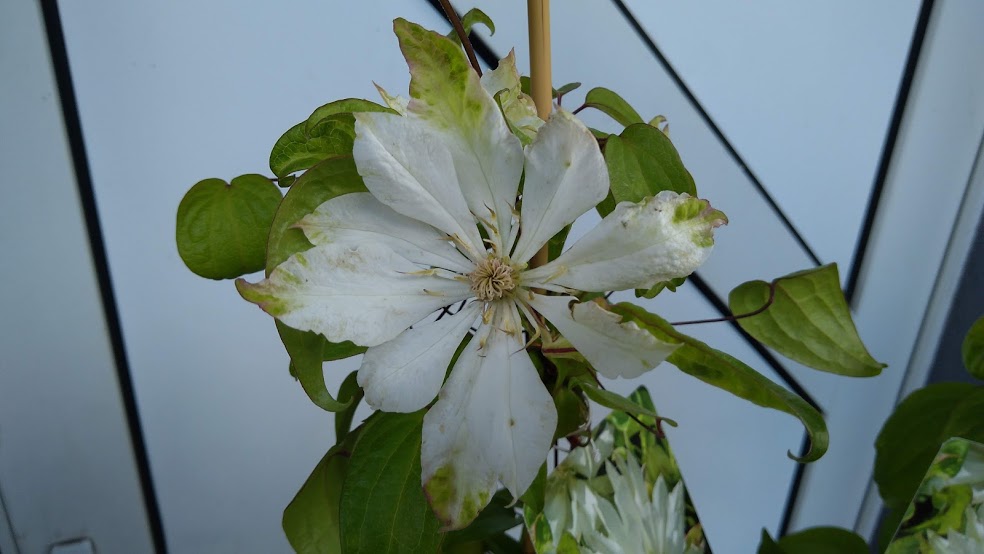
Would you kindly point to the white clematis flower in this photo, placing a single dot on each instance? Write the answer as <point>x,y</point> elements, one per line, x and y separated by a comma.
<point>638,522</point>
<point>970,541</point>
<point>441,225</point>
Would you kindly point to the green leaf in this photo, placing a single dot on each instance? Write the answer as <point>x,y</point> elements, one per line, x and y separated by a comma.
<point>568,545</point>
<point>524,86</point>
<point>311,520</point>
<point>307,351</point>
<point>642,162</point>
<point>607,205</point>
<point>473,17</point>
<point>383,509</point>
<point>349,393</point>
<point>327,132</point>
<point>564,89</point>
<point>821,540</point>
<point>973,349</point>
<point>535,496</point>
<point>612,104</point>
<point>659,287</point>
<point>555,246</point>
<point>326,180</point>
<point>222,228</point>
<point>572,412</point>
<point>768,545</point>
<point>912,436</point>
<point>495,518</point>
<point>725,372</point>
<point>616,401</point>
<point>809,321</point>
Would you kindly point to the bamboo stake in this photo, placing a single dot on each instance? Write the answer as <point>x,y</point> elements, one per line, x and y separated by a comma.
<point>541,83</point>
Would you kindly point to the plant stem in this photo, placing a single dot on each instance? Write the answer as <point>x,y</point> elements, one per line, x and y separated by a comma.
<point>768,302</point>
<point>462,36</point>
<point>541,83</point>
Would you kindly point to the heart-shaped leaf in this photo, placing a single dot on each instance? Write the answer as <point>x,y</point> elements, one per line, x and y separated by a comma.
<point>808,321</point>
<point>222,227</point>
<point>642,162</point>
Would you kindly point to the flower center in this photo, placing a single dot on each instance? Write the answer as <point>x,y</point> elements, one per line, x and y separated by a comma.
<point>492,279</point>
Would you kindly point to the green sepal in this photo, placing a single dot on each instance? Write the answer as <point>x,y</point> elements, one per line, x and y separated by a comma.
<point>311,520</point>
<point>816,540</point>
<point>329,131</point>
<point>326,180</point>
<point>808,321</point>
<point>727,373</point>
<point>973,349</point>
<point>642,162</point>
<point>473,17</point>
<point>382,505</point>
<point>913,434</point>
<point>222,228</point>
<point>612,104</point>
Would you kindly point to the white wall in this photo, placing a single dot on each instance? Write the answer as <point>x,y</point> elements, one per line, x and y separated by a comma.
<point>174,92</point>
<point>66,467</point>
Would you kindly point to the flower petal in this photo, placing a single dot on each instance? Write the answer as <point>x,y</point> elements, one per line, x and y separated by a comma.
<point>493,421</point>
<point>396,103</point>
<point>405,374</point>
<point>447,94</point>
<point>636,246</point>
<point>518,107</point>
<point>614,348</point>
<point>408,168</point>
<point>565,177</point>
<point>367,294</point>
<point>358,218</point>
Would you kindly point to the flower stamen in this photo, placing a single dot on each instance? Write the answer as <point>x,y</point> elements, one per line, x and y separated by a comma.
<point>492,279</point>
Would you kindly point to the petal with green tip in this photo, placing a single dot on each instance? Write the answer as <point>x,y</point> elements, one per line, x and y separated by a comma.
<point>447,94</point>
<point>493,421</point>
<point>636,246</point>
<point>367,294</point>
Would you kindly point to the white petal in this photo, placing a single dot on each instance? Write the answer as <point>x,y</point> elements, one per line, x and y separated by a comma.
<point>614,348</point>
<point>358,218</point>
<point>488,162</point>
<point>519,109</point>
<point>404,374</point>
<point>565,177</point>
<point>408,168</point>
<point>637,246</point>
<point>367,294</point>
<point>493,421</point>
